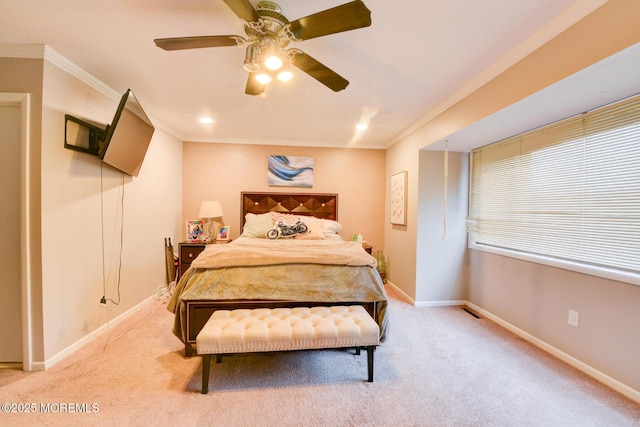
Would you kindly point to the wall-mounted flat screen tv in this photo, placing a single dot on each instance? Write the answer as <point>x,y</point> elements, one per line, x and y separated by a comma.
<point>123,144</point>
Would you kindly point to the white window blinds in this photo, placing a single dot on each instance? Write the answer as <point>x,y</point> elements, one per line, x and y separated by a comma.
<point>570,190</point>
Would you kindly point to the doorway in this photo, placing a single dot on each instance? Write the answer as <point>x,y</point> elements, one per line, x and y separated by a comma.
<point>10,310</point>
<point>14,304</point>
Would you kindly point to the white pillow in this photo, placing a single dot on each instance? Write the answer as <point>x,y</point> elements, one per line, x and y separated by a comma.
<point>288,219</point>
<point>316,230</point>
<point>257,225</point>
<point>331,228</point>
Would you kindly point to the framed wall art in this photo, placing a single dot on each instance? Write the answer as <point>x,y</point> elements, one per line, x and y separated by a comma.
<point>399,198</point>
<point>290,171</point>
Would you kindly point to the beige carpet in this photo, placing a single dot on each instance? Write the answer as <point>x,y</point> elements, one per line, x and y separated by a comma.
<point>439,367</point>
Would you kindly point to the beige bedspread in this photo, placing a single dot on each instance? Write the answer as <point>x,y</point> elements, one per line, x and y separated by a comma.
<point>260,269</point>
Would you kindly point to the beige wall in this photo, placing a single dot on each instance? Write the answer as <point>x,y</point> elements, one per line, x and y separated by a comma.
<point>82,198</point>
<point>439,247</point>
<point>401,240</point>
<point>536,298</point>
<point>65,196</point>
<point>222,171</point>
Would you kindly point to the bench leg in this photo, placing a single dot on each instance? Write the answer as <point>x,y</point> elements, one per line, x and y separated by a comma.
<point>370,350</point>
<point>206,366</point>
<point>188,350</point>
<point>357,351</point>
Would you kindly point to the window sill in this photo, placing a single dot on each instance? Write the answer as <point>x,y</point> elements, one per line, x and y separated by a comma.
<point>611,274</point>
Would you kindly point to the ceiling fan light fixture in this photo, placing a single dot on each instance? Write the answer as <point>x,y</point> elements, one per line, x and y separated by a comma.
<point>251,59</point>
<point>268,33</point>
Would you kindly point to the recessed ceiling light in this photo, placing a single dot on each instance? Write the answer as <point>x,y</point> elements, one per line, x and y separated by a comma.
<point>361,126</point>
<point>206,120</point>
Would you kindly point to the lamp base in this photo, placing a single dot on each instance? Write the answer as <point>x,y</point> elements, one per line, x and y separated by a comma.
<point>210,230</point>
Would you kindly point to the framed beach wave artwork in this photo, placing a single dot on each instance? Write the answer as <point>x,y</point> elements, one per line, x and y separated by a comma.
<point>290,171</point>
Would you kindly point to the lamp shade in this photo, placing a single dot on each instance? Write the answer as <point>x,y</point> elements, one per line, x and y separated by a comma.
<point>210,209</point>
<point>251,59</point>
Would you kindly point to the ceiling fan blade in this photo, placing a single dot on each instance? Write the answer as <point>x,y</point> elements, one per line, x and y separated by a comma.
<point>244,9</point>
<point>253,86</point>
<point>178,43</point>
<point>318,71</point>
<point>348,16</point>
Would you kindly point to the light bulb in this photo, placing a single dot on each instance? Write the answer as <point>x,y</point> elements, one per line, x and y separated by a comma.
<point>285,75</point>
<point>263,78</point>
<point>273,62</point>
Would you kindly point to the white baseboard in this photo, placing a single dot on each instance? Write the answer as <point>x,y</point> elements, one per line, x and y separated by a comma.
<point>598,375</point>
<point>447,303</point>
<point>413,302</point>
<point>400,293</point>
<point>41,366</point>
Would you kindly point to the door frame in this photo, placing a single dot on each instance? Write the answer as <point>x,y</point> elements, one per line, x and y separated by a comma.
<point>22,100</point>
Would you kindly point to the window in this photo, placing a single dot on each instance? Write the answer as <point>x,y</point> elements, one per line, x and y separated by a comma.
<point>567,194</point>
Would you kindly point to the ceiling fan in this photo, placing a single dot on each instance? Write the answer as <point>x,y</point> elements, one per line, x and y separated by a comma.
<point>268,33</point>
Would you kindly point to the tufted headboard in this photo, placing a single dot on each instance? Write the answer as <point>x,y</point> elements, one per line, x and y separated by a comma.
<point>318,205</point>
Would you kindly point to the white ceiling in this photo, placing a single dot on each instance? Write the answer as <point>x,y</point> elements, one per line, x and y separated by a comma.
<point>417,56</point>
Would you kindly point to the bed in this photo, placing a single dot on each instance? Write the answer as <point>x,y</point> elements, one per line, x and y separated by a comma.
<point>313,267</point>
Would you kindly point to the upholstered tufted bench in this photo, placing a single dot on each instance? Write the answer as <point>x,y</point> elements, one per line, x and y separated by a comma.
<point>283,329</point>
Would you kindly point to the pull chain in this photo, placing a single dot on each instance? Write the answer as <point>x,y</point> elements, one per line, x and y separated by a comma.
<point>446,178</point>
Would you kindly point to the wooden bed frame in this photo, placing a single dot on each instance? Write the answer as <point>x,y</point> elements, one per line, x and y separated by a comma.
<point>318,205</point>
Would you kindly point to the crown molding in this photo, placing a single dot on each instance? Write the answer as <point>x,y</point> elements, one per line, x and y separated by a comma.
<point>41,51</point>
<point>44,52</point>
<point>69,67</point>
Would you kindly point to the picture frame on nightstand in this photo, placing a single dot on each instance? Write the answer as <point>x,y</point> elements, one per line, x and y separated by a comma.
<point>223,233</point>
<point>194,231</point>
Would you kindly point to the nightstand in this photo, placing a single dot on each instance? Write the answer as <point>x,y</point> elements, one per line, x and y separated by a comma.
<point>367,248</point>
<point>187,252</point>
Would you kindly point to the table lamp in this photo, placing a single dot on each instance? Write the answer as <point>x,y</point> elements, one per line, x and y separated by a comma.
<point>209,210</point>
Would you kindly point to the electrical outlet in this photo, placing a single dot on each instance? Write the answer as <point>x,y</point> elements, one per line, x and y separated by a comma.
<point>574,318</point>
